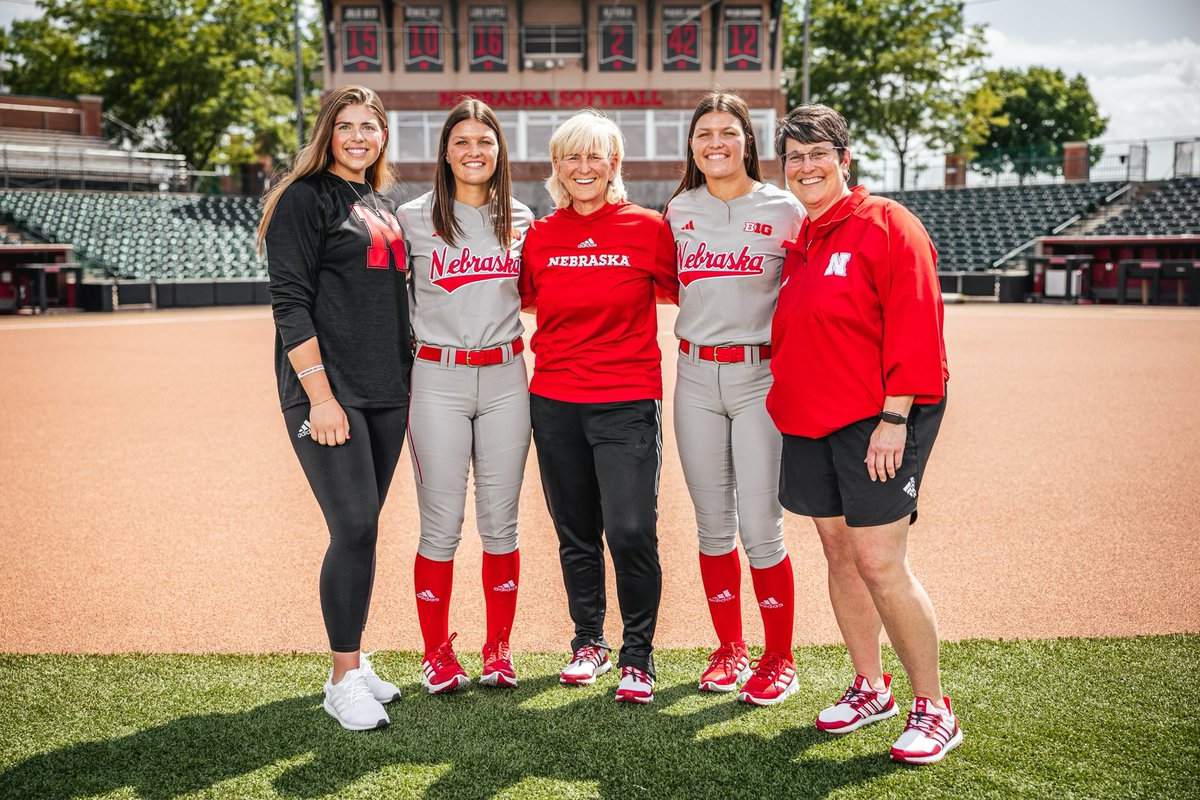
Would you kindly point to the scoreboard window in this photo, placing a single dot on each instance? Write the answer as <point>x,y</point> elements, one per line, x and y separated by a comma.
<point>423,48</point>
<point>618,38</point>
<point>742,47</point>
<point>361,34</point>
<point>681,38</point>
<point>487,30</point>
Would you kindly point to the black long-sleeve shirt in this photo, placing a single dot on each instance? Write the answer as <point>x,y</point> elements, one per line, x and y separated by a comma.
<point>336,277</point>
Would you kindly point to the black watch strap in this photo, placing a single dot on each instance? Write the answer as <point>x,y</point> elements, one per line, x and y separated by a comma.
<point>893,417</point>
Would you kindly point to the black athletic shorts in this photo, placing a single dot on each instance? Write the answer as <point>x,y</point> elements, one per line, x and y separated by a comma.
<point>827,477</point>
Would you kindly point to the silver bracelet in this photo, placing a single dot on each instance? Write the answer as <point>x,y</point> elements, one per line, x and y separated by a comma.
<point>302,374</point>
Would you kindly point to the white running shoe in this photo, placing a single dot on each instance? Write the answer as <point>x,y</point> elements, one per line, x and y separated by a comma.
<point>350,702</point>
<point>861,704</point>
<point>586,663</point>
<point>381,690</point>
<point>635,686</point>
<point>929,734</point>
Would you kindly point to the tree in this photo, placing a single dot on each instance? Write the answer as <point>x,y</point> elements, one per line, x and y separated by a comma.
<point>1043,110</point>
<point>182,73</point>
<point>898,70</point>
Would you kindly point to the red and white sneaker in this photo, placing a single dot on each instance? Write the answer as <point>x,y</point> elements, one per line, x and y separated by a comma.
<point>497,663</point>
<point>773,681</point>
<point>635,686</point>
<point>728,666</point>
<point>440,670</point>
<point>586,663</point>
<point>929,734</point>
<point>861,704</point>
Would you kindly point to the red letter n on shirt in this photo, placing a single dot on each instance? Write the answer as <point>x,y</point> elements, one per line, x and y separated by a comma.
<point>382,226</point>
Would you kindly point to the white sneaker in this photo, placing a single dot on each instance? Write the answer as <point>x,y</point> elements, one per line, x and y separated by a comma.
<point>381,690</point>
<point>929,734</point>
<point>635,686</point>
<point>861,704</point>
<point>350,702</point>
<point>586,663</point>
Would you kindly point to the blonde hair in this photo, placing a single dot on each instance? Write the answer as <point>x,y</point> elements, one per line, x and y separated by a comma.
<point>316,155</point>
<point>587,132</point>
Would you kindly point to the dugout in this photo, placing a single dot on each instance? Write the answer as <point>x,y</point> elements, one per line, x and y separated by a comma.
<point>36,277</point>
<point>1065,279</point>
<point>1174,282</point>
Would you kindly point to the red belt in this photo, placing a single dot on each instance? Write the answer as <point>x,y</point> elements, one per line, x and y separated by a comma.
<point>725,354</point>
<point>471,358</point>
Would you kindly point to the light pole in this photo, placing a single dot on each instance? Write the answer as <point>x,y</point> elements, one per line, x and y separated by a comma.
<point>299,76</point>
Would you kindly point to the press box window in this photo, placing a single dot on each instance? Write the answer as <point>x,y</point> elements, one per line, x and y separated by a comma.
<point>546,41</point>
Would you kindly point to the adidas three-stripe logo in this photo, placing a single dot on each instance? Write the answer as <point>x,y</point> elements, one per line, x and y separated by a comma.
<point>723,596</point>
<point>427,596</point>
<point>588,242</point>
<point>507,586</point>
<point>305,430</point>
<point>771,602</point>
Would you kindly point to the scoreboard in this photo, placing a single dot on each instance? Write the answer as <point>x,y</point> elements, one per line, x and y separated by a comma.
<point>487,38</point>
<point>362,35</point>
<point>618,38</point>
<point>681,38</point>
<point>742,29</point>
<point>423,40</point>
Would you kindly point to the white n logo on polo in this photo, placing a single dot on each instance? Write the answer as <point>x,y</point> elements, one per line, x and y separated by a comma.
<point>837,264</point>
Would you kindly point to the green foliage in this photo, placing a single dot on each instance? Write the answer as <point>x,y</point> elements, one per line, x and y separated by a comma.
<point>1042,109</point>
<point>1056,718</point>
<point>897,70</point>
<point>184,73</point>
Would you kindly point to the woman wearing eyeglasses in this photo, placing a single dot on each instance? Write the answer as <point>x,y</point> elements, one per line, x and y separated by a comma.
<point>859,393</point>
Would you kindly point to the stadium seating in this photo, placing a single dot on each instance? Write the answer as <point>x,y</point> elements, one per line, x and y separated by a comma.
<point>164,237</point>
<point>974,227</point>
<point>1170,210</point>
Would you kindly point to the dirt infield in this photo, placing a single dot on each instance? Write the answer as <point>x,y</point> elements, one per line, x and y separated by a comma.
<point>149,500</point>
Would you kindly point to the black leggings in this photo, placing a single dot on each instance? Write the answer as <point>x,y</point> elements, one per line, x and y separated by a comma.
<point>600,466</point>
<point>350,482</point>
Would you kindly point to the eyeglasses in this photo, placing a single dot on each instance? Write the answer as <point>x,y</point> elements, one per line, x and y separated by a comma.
<point>820,155</point>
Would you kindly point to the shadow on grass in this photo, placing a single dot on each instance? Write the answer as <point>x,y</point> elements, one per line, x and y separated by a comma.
<point>468,746</point>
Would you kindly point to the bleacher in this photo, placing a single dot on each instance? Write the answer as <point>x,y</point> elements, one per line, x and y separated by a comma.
<point>159,237</point>
<point>1173,209</point>
<point>973,228</point>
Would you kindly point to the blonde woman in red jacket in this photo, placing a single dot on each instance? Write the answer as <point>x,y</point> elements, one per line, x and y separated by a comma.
<point>859,392</point>
<point>592,269</point>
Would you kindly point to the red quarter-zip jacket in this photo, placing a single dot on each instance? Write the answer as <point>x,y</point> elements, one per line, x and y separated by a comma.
<point>859,316</point>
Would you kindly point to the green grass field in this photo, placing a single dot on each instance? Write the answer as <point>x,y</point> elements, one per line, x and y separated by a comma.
<point>1066,718</point>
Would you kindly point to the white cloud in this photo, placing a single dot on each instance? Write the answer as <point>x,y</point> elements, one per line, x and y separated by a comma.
<point>1147,89</point>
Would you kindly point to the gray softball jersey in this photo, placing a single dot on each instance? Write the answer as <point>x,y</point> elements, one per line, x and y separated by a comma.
<point>465,295</point>
<point>729,256</point>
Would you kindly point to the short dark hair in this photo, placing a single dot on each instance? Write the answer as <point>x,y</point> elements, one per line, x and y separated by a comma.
<point>729,103</point>
<point>809,124</point>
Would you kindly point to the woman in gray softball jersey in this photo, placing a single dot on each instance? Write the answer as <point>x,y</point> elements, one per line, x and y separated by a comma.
<point>470,395</point>
<point>729,228</point>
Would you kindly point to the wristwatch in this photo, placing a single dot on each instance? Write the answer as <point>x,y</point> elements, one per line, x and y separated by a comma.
<point>893,417</point>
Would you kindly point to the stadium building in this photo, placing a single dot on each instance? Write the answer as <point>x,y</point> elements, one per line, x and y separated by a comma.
<point>535,62</point>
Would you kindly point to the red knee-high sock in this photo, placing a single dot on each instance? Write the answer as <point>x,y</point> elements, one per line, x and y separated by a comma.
<point>776,593</point>
<point>433,581</point>
<point>722,579</point>
<point>501,576</point>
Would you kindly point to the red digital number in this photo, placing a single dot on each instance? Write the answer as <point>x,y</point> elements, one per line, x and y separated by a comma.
<point>682,40</point>
<point>385,233</point>
<point>743,40</point>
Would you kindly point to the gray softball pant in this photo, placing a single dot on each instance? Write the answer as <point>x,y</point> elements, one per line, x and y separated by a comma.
<point>460,417</point>
<point>730,451</point>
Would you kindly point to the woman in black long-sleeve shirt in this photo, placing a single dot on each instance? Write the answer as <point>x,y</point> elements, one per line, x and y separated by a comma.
<point>336,259</point>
